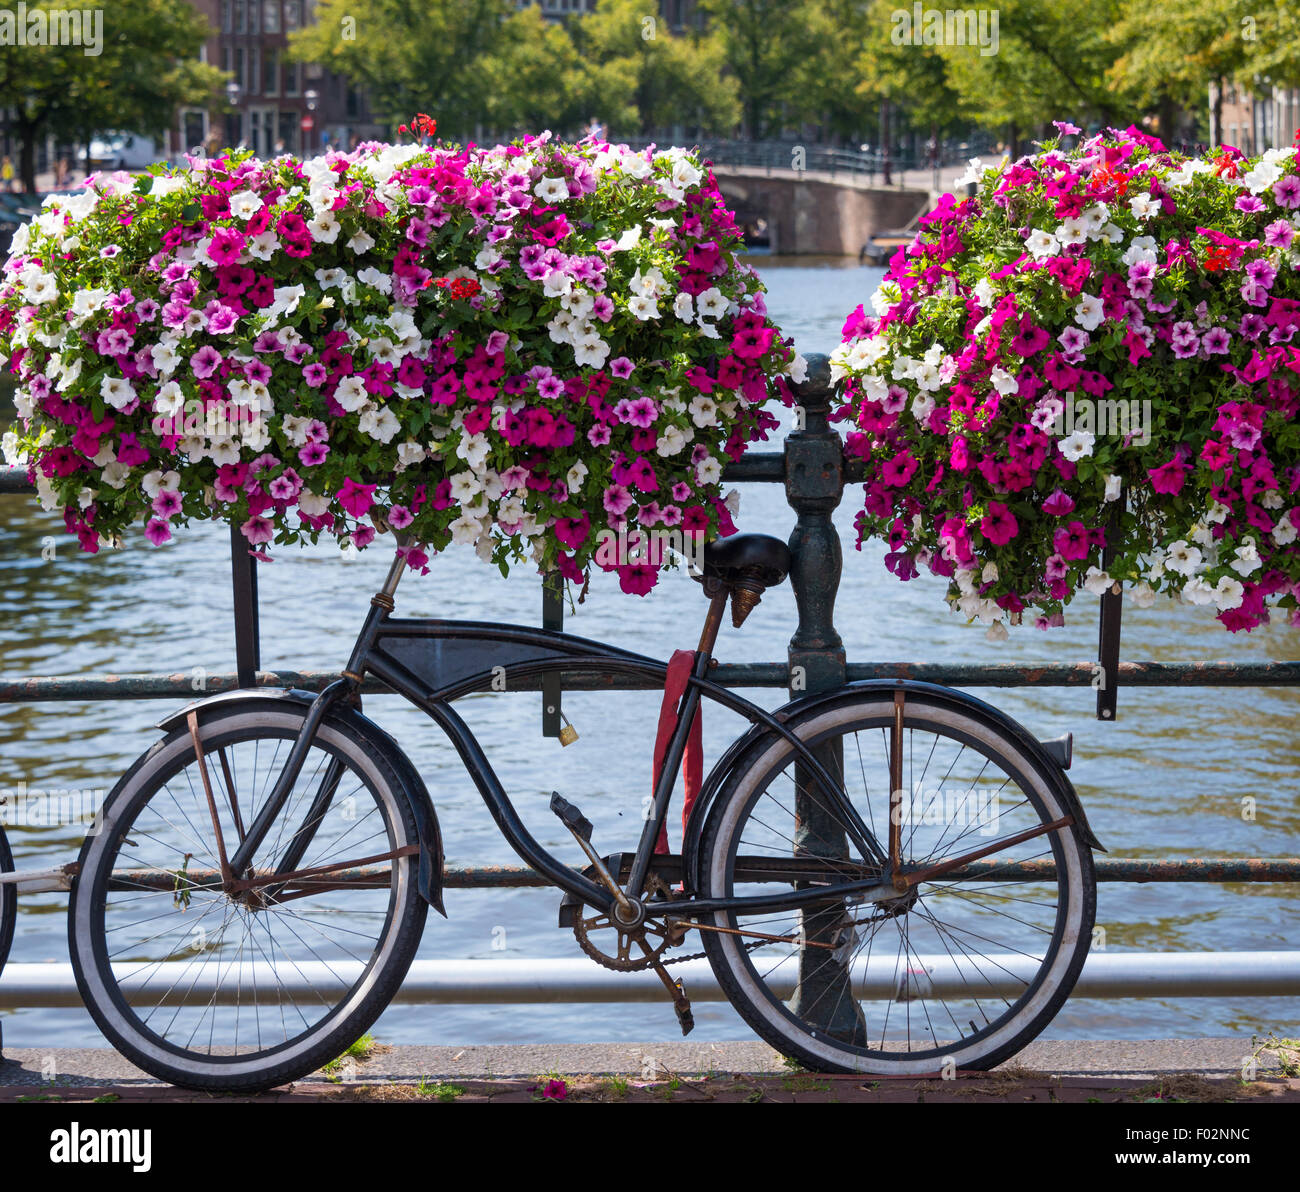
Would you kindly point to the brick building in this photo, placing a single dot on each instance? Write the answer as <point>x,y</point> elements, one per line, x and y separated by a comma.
<point>1252,122</point>
<point>279,106</point>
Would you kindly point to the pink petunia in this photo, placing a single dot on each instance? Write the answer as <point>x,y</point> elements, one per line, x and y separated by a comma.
<point>356,498</point>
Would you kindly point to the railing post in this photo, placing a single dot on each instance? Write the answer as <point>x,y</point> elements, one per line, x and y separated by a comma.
<point>248,646</point>
<point>814,484</point>
<point>552,618</point>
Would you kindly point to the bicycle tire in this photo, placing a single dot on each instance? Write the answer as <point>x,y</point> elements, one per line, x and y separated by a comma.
<point>8,901</point>
<point>99,932</point>
<point>846,1031</point>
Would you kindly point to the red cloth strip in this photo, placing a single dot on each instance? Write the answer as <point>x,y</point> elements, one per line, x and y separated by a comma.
<point>679,673</point>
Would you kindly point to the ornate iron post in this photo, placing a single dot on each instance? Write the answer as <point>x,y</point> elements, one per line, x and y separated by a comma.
<point>814,484</point>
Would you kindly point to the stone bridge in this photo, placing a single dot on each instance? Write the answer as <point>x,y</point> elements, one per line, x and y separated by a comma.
<point>819,213</point>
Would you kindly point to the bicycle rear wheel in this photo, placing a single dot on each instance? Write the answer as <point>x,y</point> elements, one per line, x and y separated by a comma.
<point>243,990</point>
<point>960,971</point>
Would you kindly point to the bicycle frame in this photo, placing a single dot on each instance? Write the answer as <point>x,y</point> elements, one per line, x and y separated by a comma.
<point>432,662</point>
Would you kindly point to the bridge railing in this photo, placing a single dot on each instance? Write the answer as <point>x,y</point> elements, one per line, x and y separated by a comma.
<point>814,472</point>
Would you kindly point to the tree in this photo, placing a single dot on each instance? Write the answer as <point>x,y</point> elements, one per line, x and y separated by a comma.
<point>902,74</point>
<point>643,78</point>
<point>763,42</point>
<point>148,65</point>
<point>828,90</point>
<point>1168,57</point>
<point>436,56</point>
<point>540,82</point>
<point>1050,63</point>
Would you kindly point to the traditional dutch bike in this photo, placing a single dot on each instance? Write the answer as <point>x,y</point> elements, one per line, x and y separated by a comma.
<point>891,878</point>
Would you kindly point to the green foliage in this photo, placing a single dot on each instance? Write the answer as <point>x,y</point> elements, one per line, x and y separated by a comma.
<point>148,66</point>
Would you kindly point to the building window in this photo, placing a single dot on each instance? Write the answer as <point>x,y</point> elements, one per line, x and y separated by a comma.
<point>292,15</point>
<point>226,25</point>
<point>255,70</point>
<point>227,61</point>
<point>292,75</point>
<point>254,16</point>
<point>271,72</point>
<point>271,13</point>
<point>288,132</point>
<point>241,15</point>
<point>241,69</point>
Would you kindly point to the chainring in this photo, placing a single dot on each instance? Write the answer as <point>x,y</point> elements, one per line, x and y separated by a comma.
<point>653,938</point>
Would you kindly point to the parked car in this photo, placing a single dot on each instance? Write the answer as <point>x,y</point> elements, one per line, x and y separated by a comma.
<point>123,151</point>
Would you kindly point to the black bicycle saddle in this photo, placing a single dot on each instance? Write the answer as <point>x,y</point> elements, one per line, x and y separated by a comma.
<point>756,558</point>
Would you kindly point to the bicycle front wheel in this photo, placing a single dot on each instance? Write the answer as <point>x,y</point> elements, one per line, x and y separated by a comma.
<point>227,989</point>
<point>959,971</point>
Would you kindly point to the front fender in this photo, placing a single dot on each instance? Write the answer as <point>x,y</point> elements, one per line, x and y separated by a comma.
<point>796,710</point>
<point>429,880</point>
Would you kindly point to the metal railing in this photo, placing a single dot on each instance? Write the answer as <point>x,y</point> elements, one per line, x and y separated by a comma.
<point>814,472</point>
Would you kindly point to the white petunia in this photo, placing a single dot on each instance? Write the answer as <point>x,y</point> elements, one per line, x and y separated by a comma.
<point>704,411</point>
<point>670,442</point>
<point>1142,595</point>
<point>711,304</point>
<point>1247,558</point>
<point>351,394</point>
<point>379,423</point>
<point>1182,558</point>
<point>117,392</point>
<point>243,205</point>
<point>644,309</point>
<point>1078,444</point>
<point>1228,593</point>
<point>465,486</point>
<point>1089,312</point>
<point>708,471</point>
<point>552,190</point>
<point>1042,244</point>
<point>324,228</point>
<point>466,529</point>
<point>1096,581</point>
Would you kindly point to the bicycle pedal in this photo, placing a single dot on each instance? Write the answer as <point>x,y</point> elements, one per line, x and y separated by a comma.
<point>682,1007</point>
<point>570,816</point>
<point>681,1003</point>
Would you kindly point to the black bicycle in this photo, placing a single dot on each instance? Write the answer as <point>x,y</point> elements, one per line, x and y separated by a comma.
<point>891,877</point>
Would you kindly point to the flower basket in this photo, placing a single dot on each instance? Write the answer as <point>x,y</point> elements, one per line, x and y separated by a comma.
<point>530,349</point>
<point>1085,376</point>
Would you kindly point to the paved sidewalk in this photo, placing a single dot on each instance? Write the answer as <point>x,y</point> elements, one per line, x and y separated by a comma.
<point>26,1069</point>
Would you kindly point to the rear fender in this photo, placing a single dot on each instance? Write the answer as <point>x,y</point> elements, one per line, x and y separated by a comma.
<point>1049,757</point>
<point>430,877</point>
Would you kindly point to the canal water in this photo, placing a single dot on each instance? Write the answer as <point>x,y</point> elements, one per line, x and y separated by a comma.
<point>1166,780</point>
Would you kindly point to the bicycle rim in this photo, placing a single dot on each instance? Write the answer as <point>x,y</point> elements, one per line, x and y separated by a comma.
<point>191,981</point>
<point>961,972</point>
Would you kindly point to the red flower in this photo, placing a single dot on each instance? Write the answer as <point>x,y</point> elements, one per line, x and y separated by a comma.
<point>1225,167</point>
